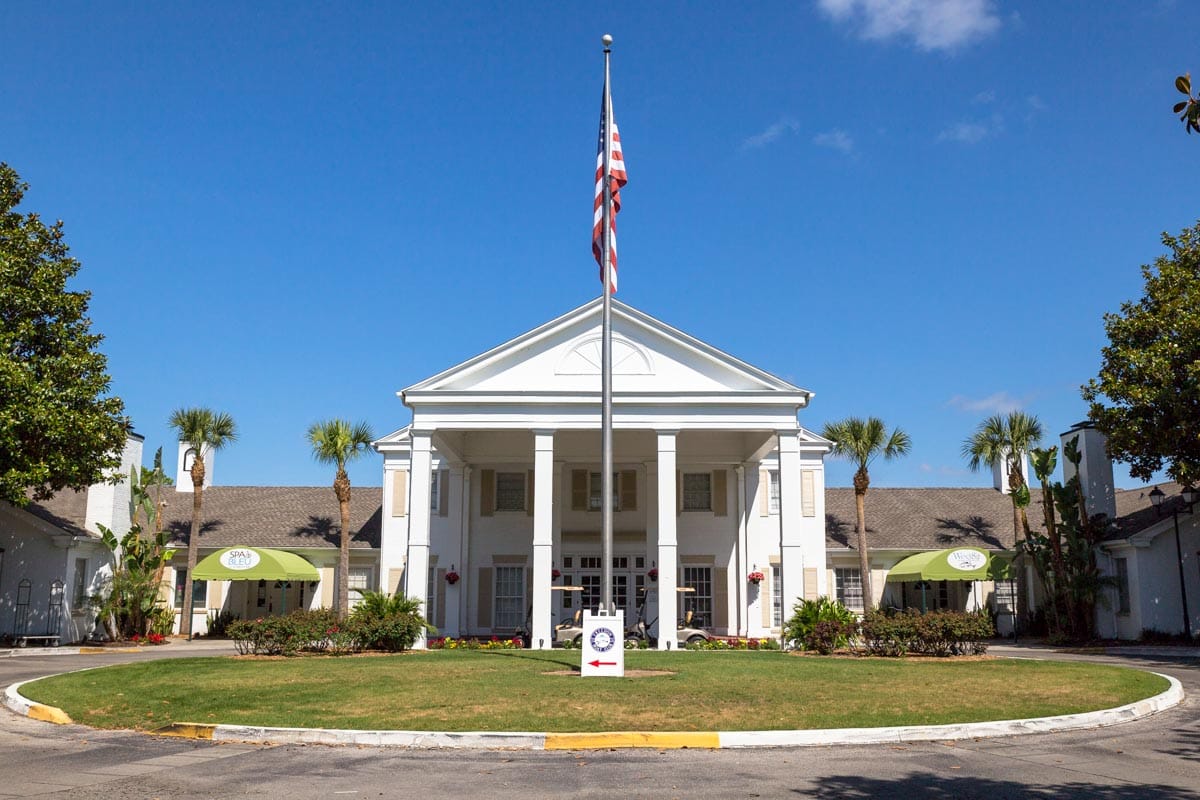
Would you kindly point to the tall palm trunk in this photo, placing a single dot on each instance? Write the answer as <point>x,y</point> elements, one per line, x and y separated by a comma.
<point>185,624</point>
<point>861,482</point>
<point>341,489</point>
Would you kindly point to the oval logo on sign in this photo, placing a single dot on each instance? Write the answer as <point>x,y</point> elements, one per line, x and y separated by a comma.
<point>239,558</point>
<point>966,560</point>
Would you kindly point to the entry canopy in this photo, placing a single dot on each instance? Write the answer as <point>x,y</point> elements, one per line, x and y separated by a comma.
<point>254,564</point>
<point>954,564</point>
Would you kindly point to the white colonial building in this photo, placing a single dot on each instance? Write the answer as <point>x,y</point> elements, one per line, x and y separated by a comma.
<point>497,482</point>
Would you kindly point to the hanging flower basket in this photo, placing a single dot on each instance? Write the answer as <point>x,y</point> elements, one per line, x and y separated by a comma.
<point>555,574</point>
<point>653,574</point>
<point>756,577</point>
<point>452,577</point>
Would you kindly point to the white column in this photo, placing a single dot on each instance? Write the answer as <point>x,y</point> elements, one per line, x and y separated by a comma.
<point>416,571</point>
<point>668,559</point>
<point>464,565</point>
<point>543,537</point>
<point>741,557</point>
<point>556,548</point>
<point>791,539</point>
<point>455,594</point>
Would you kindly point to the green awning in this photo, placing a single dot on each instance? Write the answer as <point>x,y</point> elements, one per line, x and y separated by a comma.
<point>954,564</point>
<point>255,564</point>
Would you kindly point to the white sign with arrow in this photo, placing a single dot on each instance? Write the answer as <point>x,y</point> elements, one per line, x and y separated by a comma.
<point>603,645</point>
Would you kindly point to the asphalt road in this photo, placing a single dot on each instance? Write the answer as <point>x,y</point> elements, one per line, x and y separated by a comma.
<point>1158,757</point>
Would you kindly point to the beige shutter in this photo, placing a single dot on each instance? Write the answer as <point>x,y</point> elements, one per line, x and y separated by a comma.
<point>444,493</point>
<point>678,492</point>
<point>485,591</point>
<point>720,502</point>
<point>394,585</point>
<point>216,591</point>
<point>720,618</point>
<point>629,490</point>
<point>487,494</point>
<point>529,493</point>
<point>579,490</point>
<point>440,589</point>
<point>399,494</point>
<point>766,597</point>
<point>808,498</point>
<point>764,493</point>
<point>810,583</point>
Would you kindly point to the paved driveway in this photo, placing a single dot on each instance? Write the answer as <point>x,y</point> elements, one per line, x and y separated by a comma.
<point>1155,758</point>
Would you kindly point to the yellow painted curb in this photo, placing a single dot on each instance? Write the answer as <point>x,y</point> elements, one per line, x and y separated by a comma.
<point>662,741</point>
<point>48,714</point>
<point>186,730</point>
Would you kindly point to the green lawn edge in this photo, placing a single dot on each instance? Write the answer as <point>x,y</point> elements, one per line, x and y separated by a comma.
<point>514,691</point>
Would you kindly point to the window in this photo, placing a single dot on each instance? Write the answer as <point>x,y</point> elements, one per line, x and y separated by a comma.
<point>1121,565</point>
<point>434,480</point>
<point>595,487</point>
<point>776,596</point>
<point>510,598</point>
<point>358,581</point>
<point>431,595</point>
<point>189,458</point>
<point>566,596</point>
<point>697,491</point>
<point>773,491</point>
<point>79,595</point>
<point>510,491</point>
<point>848,582</point>
<point>199,590</point>
<point>261,597</point>
<point>698,602</point>
<point>590,596</point>
<point>1006,596</point>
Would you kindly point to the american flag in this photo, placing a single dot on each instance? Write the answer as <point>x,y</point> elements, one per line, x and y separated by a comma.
<point>617,179</point>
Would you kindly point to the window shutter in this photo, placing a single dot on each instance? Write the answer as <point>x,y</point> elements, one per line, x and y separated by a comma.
<point>629,490</point>
<point>440,622</point>
<point>808,500</point>
<point>720,598</point>
<point>529,493</point>
<point>720,503</point>
<point>579,490</point>
<point>399,494</point>
<point>766,597</point>
<point>764,493</point>
<point>810,583</point>
<point>487,495</point>
<point>678,492</point>
<point>444,493</point>
<point>486,590</point>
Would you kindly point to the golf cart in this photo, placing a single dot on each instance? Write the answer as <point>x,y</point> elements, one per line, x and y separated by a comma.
<point>687,631</point>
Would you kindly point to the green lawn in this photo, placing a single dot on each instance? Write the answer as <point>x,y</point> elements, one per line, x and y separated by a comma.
<point>511,691</point>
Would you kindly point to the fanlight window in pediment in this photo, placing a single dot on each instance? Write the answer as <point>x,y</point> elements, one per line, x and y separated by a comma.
<point>584,358</point>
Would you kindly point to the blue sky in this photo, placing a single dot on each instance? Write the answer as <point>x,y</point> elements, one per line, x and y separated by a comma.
<point>917,210</point>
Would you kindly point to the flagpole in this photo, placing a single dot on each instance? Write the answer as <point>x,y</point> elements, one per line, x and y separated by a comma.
<point>606,456</point>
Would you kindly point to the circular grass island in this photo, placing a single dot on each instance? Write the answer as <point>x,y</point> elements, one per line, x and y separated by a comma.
<point>529,690</point>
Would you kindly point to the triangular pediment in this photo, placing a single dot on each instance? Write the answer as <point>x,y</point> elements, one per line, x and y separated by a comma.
<point>564,356</point>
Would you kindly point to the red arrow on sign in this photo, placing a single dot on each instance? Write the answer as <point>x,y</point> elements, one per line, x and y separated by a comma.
<point>599,663</point>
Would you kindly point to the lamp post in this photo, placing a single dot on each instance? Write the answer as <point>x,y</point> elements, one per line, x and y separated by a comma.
<point>1189,496</point>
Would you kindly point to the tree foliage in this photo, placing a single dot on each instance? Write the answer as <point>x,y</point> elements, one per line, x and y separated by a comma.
<point>1146,398</point>
<point>1007,439</point>
<point>1188,110</point>
<point>58,426</point>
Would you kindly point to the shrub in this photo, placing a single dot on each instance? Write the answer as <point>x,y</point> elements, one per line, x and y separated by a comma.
<point>938,633</point>
<point>808,613</point>
<point>288,635</point>
<point>218,623</point>
<point>827,635</point>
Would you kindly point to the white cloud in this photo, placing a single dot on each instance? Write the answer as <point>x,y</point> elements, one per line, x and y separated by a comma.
<point>930,24</point>
<point>984,98</point>
<point>836,139</point>
<point>998,403</point>
<point>965,133</point>
<point>770,134</point>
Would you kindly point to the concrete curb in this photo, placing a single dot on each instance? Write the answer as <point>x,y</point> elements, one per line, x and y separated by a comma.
<point>487,740</point>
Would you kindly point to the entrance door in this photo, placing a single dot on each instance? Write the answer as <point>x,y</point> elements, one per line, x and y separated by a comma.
<point>628,578</point>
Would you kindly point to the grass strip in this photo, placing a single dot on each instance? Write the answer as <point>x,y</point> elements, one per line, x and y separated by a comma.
<point>513,691</point>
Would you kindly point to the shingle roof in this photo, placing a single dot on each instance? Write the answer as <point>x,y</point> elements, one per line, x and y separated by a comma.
<point>67,510</point>
<point>1136,512</point>
<point>921,519</point>
<point>275,516</point>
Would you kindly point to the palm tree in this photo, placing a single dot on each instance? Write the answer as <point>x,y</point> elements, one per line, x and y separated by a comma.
<point>1006,439</point>
<point>336,441</point>
<point>203,430</point>
<point>862,441</point>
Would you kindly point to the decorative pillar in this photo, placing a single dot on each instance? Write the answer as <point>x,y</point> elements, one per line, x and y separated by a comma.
<point>416,571</point>
<point>668,558</point>
<point>543,537</point>
<point>791,539</point>
<point>456,594</point>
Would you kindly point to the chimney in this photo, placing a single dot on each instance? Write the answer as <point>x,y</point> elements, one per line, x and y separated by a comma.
<point>1095,468</point>
<point>183,468</point>
<point>1000,472</point>
<point>108,504</point>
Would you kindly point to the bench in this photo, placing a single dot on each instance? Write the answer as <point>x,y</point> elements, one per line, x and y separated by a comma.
<point>48,639</point>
